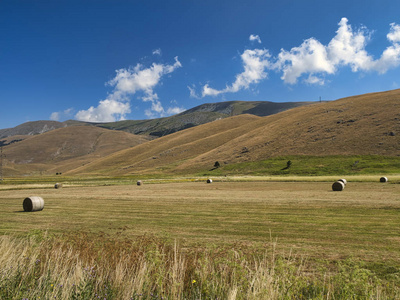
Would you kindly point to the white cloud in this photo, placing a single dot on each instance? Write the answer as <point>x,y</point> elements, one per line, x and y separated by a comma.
<point>61,115</point>
<point>391,56</point>
<point>157,110</point>
<point>394,34</point>
<point>107,111</point>
<point>175,110</point>
<point>55,116</point>
<point>347,48</point>
<point>207,91</point>
<point>255,62</point>
<point>126,83</point>
<point>157,52</point>
<point>192,90</point>
<point>314,80</point>
<point>255,38</point>
<point>312,61</point>
<point>310,57</point>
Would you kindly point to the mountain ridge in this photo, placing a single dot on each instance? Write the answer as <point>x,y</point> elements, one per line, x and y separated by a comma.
<point>195,116</point>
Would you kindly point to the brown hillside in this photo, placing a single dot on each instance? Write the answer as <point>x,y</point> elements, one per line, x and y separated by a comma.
<point>159,154</point>
<point>65,148</point>
<point>365,124</point>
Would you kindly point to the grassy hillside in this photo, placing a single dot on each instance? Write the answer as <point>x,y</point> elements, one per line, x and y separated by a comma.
<point>65,148</point>
<point>159,154</point>
<point>360,125</point>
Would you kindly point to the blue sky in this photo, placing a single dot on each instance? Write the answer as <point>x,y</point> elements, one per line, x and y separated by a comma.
<point>99,60</point>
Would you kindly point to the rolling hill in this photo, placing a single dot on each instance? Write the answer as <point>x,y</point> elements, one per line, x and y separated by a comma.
<point>359,125</point>
<point>65,148</point>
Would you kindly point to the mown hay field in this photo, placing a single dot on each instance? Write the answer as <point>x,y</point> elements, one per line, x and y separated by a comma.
<point>240,239</point>
<point>308,218</point>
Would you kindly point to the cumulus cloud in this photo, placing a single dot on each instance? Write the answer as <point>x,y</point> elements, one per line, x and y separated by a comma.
<point>391,56</point>
<point>126,83</point>
<point>347,48</point>
<point>255,62</point>
<point>107,111</point>
<point>255,38</point>
<point>312,61</point>
<point>310,57</point>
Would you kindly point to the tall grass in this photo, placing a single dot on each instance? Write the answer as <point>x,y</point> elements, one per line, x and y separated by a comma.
<point>86,266</point>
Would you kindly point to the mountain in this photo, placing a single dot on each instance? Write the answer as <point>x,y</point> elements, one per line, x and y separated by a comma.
<point>31,128</point>
<point>159,127</point>
<point>358,125</point>
<point>199,115</point>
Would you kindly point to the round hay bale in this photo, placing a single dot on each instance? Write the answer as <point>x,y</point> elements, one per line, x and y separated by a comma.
<point>383,179</point>
<point>33,203</point>
<point>343,180</point>
<point>139,182</point>
<point>209,180</point>
<point>58,185</point>
<point>338,186</point>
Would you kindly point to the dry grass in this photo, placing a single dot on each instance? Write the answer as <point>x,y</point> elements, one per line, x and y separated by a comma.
<point>192,240</point>
<point>94,267</point>
<point>64,149</point>
<point>308,217</point>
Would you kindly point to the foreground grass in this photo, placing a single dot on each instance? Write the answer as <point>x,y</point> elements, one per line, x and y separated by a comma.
<point>84,266</point>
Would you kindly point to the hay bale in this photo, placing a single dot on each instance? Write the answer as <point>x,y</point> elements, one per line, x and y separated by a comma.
<point>383,179</point>
<point>338,186</point>
<point>33,203</point>
<point>343,180</point>
<point>209,180</point>
<point>139,182</point>
<point>58,185</point>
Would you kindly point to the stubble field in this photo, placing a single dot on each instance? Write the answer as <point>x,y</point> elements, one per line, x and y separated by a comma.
<point>306,219</point>
<point>364,219</point>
